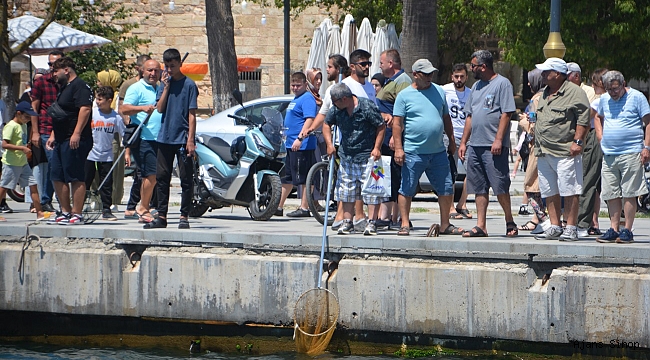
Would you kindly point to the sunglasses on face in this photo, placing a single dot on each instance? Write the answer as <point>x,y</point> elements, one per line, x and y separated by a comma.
<point>363,63</point>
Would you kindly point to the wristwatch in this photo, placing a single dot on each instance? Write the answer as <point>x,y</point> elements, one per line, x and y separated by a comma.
<point>647,148</point>
<point>300,139</point>
<point>578,142</point>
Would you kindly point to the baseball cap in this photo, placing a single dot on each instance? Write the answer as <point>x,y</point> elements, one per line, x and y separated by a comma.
<point>423,66</point>
<point>553,63</point>
<point>573,67</point>
<point>26,108</point>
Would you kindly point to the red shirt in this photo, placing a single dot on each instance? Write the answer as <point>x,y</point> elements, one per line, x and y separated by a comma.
<point>45,90</point>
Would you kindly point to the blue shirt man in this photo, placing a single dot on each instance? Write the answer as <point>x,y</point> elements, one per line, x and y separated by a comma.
<point>300,151</point>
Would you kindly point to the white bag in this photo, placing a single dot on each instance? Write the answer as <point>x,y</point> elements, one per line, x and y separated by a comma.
<point>377,178</point>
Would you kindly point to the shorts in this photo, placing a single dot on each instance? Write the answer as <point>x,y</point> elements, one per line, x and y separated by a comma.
<point>559,175</point>
<point>12,175</point>
<point>622,176</point>
<point>297,165</point>
<point>67,165</point>
<point>485,171</point>
<point>145,156</point>
<point>349,183</point>
<point>436,166</point>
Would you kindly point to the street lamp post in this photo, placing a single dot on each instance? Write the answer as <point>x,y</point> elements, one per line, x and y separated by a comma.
<point>287,65</point>
<point>554,46</point>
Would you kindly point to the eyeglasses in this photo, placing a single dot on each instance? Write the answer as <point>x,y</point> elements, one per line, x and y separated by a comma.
<point>363,63</point>
<point>475,66</point>
<point>614,89</point>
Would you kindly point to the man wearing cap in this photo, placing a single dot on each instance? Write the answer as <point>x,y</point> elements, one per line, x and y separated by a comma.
<point>562,121</point>
<point>420,116</point>
<point>488,108</point>
<point>619,126</point>
<point>574,74</point>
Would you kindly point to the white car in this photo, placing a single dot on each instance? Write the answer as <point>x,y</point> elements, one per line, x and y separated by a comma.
<point>229,129</point>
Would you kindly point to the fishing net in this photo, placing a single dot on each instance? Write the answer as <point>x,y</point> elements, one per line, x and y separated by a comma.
<point>92,207</point>
<point>315,317</point>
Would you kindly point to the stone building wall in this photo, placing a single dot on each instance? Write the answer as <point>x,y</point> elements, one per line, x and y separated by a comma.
<point>184,28</point>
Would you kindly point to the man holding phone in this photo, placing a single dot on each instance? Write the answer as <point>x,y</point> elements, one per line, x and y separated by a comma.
<point>177,102</point>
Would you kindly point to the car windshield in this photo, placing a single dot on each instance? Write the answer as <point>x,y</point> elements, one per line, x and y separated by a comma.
<point>273,128</point>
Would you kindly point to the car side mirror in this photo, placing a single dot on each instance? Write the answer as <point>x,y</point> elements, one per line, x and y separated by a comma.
<point>238,96</point>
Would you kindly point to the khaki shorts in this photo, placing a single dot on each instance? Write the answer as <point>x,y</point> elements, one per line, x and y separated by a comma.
<point>12,175</point>
<point>622,176</point>
<point>559,175</point>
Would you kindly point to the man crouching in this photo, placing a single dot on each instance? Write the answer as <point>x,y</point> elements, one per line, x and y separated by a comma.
<point>362,132</point>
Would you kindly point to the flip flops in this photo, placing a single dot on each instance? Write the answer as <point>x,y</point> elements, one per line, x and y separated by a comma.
<point>460,214</point>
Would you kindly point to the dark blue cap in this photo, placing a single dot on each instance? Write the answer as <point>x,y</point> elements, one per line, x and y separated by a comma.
<point>26,108</point>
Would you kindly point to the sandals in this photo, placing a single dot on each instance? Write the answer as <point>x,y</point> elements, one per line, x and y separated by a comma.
<point>434,230</point>
<point>475,232</point>
<point>528,226</point>
<point>404,231</point>
<point>158,223</point>
<point>464,213</point>
<point>594,231</point>
<point>511,229</point>
<point>452,230</point>
<point>145,218</point>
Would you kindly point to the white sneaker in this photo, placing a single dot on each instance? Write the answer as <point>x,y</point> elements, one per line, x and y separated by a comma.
<point>569,234</point>
<point>371,228</point>
<point>360,225</point>
<point>582,232</point>
<point>336,225</point>
<point>553,233</point>
<point>114,208</point>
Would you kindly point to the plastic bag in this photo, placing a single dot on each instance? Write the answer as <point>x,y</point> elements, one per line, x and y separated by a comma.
<point>377,178</point>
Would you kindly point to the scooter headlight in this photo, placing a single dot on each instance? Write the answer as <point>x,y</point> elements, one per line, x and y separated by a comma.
<point>268,152</point>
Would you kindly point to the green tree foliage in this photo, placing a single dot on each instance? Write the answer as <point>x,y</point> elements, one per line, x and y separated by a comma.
<point>104,18</point>
<point>597,33</point>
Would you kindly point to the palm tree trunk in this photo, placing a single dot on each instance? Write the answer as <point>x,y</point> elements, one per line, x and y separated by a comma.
<point>419,32</point>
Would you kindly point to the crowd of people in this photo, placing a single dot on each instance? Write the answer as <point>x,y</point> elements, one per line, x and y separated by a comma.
<point>573,135</point>
<point>76,134</point>
<point>579,143</point>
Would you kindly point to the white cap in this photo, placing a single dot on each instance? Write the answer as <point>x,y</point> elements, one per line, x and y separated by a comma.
<point>553,63</point>
<point>573,67</point>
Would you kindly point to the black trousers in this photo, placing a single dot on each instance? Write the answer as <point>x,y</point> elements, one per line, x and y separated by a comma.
<point>164,168</point>
<point>134,194</point>
<point>106,191</point>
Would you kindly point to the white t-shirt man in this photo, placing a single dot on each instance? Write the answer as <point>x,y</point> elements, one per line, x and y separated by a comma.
<point>456,103</point>
<point>355,87</point>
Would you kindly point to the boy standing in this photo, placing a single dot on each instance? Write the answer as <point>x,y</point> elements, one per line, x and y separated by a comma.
<point>300,150</point>
<point>105,123</point>
<point>15,167</point>
<point>177,103</point>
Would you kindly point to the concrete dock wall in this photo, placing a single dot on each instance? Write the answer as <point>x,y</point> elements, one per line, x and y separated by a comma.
<point>466,297</point>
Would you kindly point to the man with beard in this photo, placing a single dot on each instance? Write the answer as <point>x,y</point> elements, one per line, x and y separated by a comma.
<point>457,94</point>
<point>359,71</point>
<point>489,108</point>
<point>71,141</point>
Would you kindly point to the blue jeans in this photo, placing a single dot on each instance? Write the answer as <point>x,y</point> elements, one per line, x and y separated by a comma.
<point>42,175</point>
<point>436,166</point>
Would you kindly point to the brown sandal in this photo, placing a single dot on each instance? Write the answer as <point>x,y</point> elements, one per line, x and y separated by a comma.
<point>404,231</point>
<point>434,230</point>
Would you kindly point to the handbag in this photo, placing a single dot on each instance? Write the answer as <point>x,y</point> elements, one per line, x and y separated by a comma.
<point>376,178</point>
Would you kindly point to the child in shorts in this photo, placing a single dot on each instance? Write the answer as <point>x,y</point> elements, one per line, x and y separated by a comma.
<point>105,123</point>
<point>15,167</point>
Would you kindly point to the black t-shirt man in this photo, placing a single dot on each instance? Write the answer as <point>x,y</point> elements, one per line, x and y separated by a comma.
<point>71,98</point>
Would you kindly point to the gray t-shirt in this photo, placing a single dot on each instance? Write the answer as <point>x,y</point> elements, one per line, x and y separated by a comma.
<point>486,102</point>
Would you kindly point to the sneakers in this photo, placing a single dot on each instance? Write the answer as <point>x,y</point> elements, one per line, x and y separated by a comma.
<point>4,208</point>
<point>523,210</point>
<point>183,223</point>
<point>371,228</point>
<point>299,213</point>
<point>74,219</point>
<point>609,236</point>
<point>625,237</point>
<point>582,232</point>
<point>108,215</point>
<point>336,225</point>
<point>569,234</point>
<point>553,233</point>
<point>115,208</point>
<point>279,212</point>
<point>360,225</point>
<point>346,228</point>
<point>58,219</point>
<point>382,224</point>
